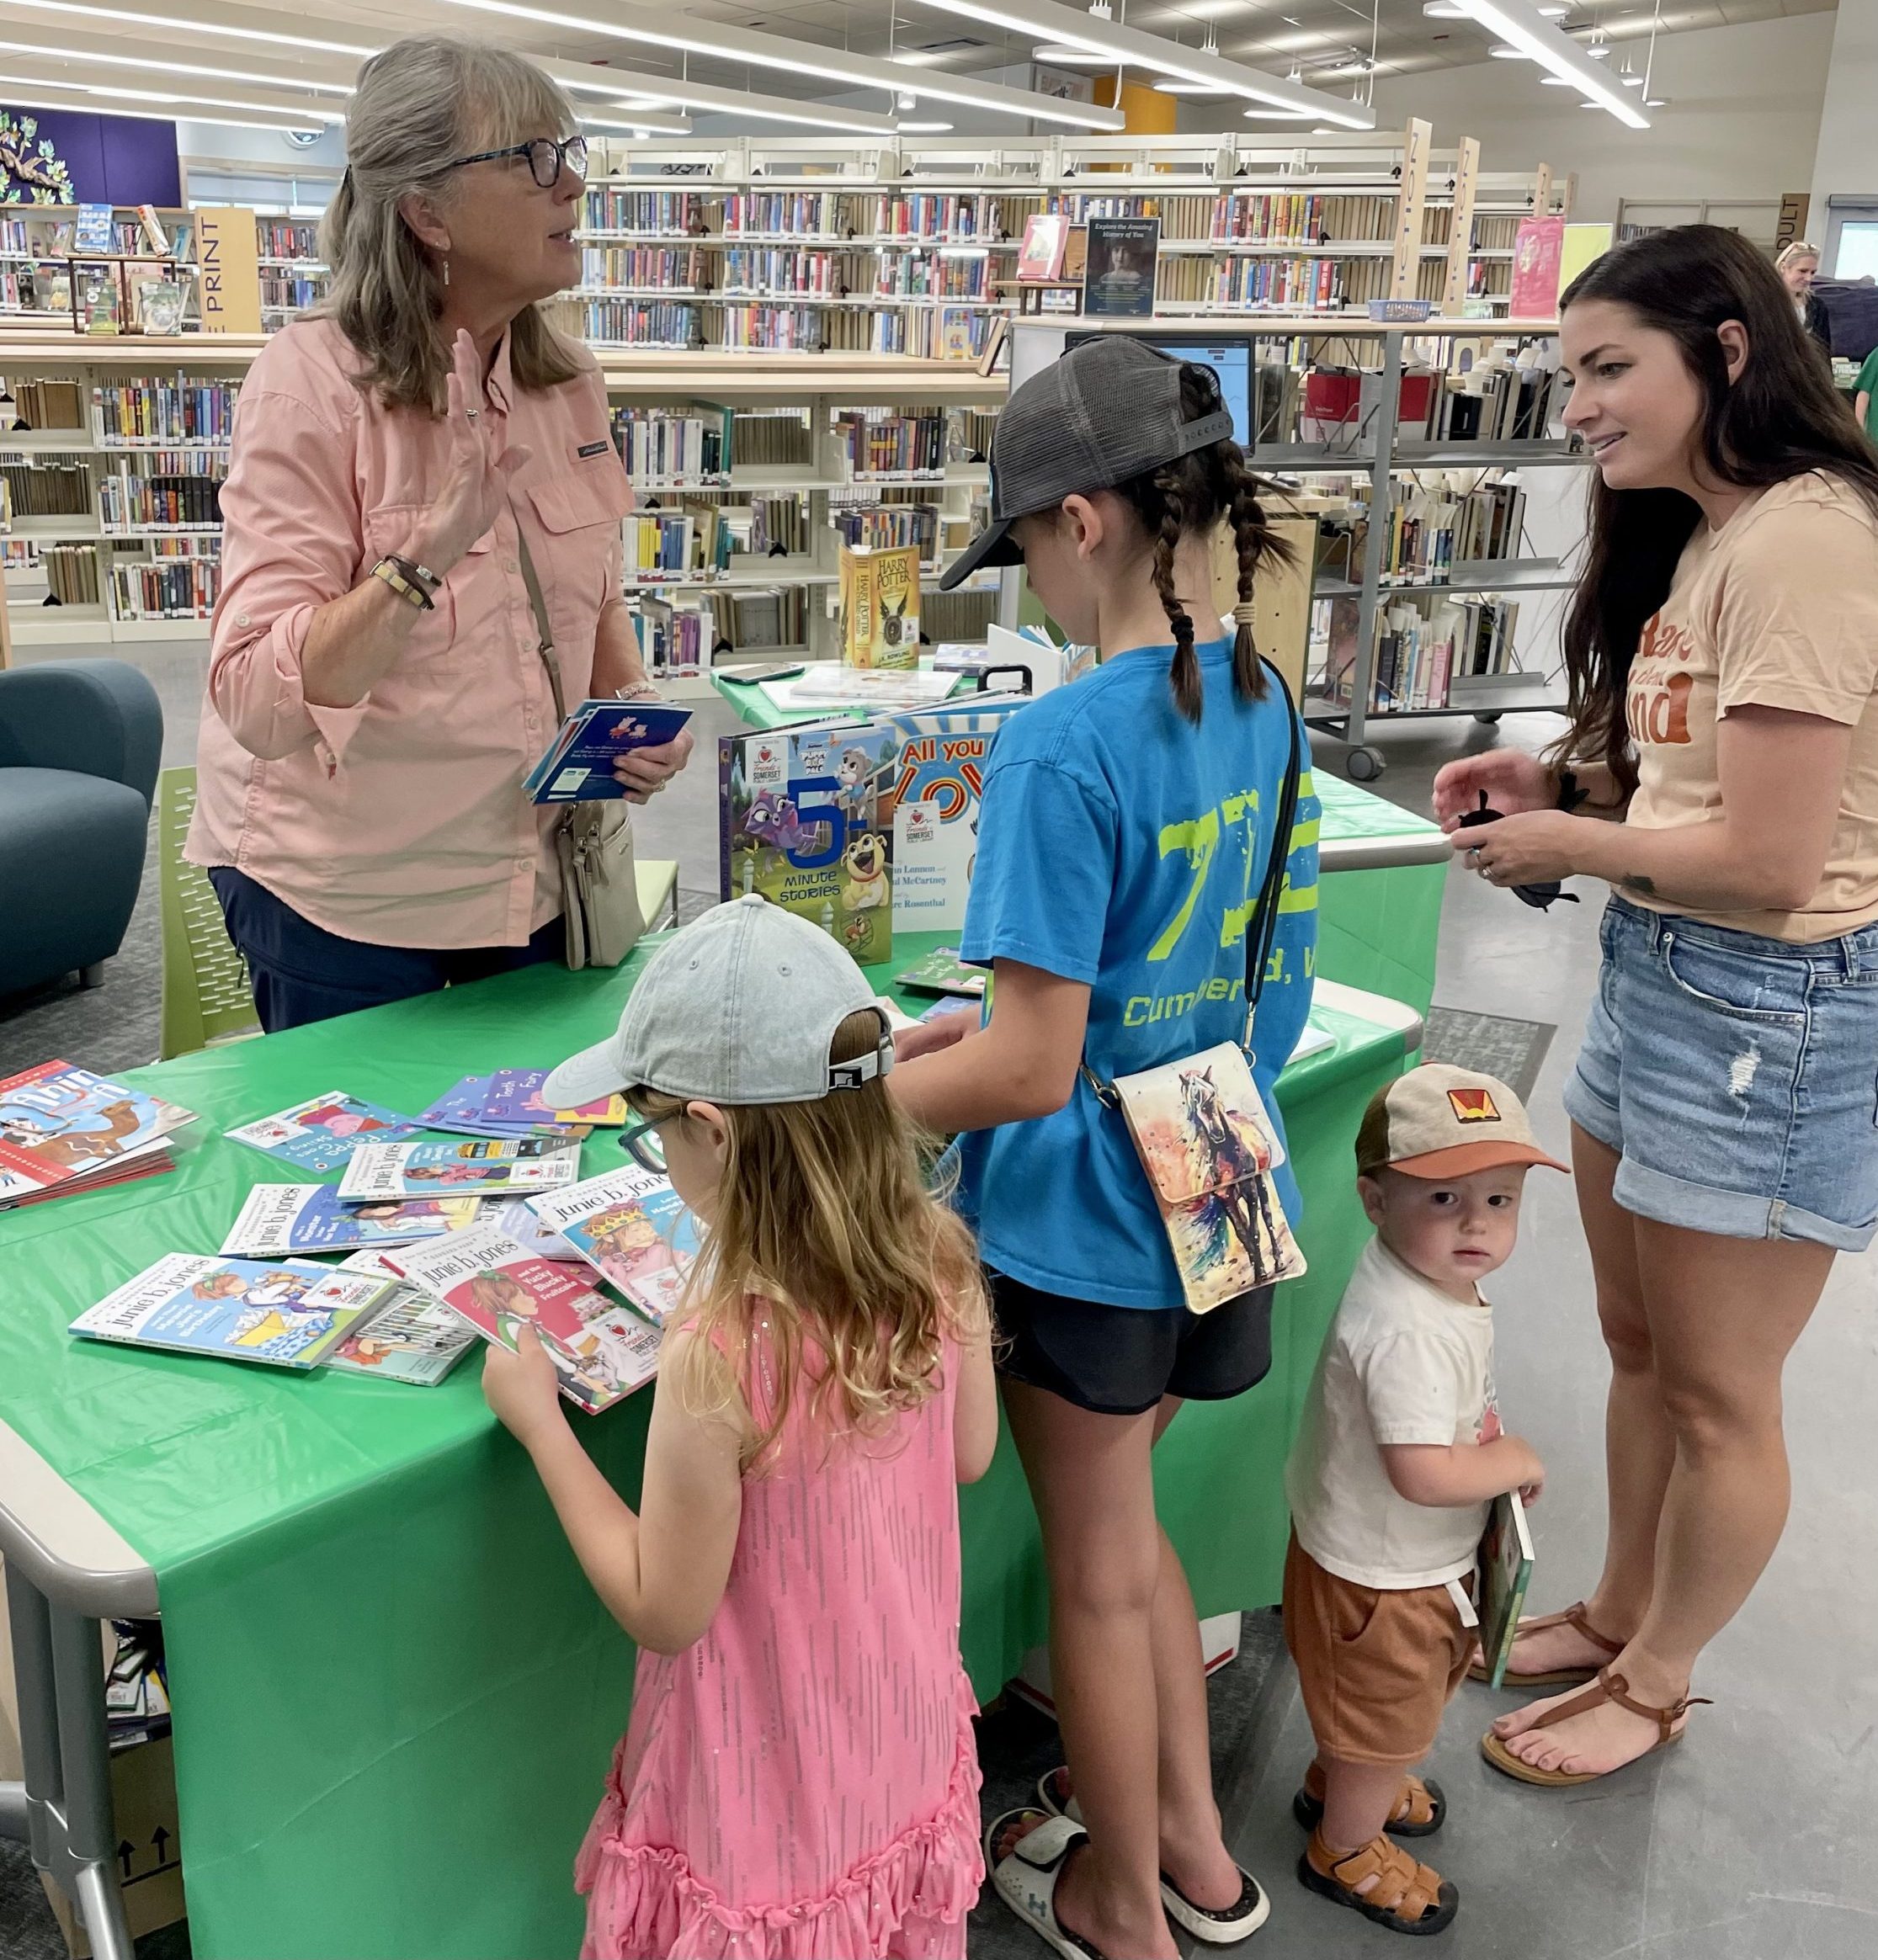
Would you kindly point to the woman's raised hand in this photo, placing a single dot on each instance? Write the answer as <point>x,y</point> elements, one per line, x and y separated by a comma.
<point>480,467</point>
<point>1514,780</point>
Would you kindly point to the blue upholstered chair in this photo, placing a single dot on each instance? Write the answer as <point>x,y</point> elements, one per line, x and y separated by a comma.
<point>80,741</point>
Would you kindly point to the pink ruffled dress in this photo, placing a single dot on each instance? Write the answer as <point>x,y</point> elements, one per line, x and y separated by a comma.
<point>802,1784</point>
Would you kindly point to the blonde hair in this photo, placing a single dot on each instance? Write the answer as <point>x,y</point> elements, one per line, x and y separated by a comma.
<point>1798,248</point>
<point>421,103</point>
<point>824,1230</point>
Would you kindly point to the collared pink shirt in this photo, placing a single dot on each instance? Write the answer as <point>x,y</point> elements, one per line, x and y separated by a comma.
<point>399,821</point>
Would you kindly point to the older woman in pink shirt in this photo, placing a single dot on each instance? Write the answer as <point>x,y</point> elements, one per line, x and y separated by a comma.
<point>376,687</point>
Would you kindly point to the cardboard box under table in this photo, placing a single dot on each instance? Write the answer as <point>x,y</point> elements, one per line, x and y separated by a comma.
<point>395,1695</point>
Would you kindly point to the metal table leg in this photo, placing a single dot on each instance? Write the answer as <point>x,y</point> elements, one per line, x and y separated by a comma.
<point>62,1810</point>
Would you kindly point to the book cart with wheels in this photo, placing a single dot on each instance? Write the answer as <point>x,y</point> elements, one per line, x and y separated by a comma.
<point>1411,443</point>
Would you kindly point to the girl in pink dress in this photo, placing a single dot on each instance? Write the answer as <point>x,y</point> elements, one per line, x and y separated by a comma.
<point>799,1781</point>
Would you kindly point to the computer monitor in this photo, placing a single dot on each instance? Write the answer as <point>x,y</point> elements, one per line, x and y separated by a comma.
<point>1228,356</point>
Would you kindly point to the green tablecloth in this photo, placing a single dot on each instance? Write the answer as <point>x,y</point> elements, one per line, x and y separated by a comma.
<point>395,1693</point>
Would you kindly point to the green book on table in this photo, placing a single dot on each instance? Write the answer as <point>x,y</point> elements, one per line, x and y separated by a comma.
<point>941,972</point>
<point>1505,1564</point>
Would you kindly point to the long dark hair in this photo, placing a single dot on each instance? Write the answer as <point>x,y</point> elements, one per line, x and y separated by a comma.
<point>1188,497</point>
<point>1779,418</point>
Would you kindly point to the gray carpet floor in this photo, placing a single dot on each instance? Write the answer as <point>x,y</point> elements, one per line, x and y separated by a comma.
<point>1494,1043</point>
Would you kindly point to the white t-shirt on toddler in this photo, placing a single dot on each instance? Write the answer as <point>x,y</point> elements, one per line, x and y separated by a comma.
<point>1403,1364</point>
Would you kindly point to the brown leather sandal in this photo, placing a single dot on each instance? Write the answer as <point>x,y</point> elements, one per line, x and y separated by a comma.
<point>1607,1687</point>
<point>1421,1808</point>
<point>1556,1677</point>
<point>1407,1896</point>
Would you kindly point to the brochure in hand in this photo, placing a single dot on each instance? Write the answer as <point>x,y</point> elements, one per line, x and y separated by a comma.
<point>241,1309</point>
<point>63,1129</point>
<point>279,1219</point>
<point>321,1134</point>
<point>600,1352</point>
<point>633,1229</point>
<point>578,768</point>
<point>1505,1563</point>
<point>474,1169</point>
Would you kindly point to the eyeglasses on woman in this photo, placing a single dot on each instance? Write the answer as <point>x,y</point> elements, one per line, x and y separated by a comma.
<point>546,158</point>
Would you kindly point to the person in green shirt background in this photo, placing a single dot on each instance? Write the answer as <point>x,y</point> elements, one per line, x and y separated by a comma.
<point>1866,392</point>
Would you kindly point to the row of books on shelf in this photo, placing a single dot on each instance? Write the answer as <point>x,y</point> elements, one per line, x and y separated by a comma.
<point>289,292</point>
<point>691,444</point>
<point>667,268</point>
<point>1307,284</point>
<point>1422,648</point>
<point>694,539</point>
<point>182,410</point>
<point>610,207</point>
<point>774,269</point>
<point>49,404</point>
<point>160,498</point>
<point>883,442</point>
<point>889,526</point>
<point>684,634</point>
<point>906,275</point>
<point>616,322</point>
<point>45,487</point>
<point>947,331</point>
<point>778,525</point>
<point>70,573</point>
<point>183,589</point>
<point>287,237</point>
<point>1432,530</point>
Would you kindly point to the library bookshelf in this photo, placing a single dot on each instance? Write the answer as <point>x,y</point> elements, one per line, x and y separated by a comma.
<point>1414,444</point>
<point>108,494</point>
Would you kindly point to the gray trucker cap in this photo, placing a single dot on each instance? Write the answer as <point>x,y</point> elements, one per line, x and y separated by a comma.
<point>1107,411</point>
<point>740,1007</point>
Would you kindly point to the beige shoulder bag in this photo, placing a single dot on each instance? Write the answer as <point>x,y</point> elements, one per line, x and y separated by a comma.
<point>599,885</point>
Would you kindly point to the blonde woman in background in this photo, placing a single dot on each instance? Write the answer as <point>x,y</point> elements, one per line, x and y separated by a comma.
<point>1798,266</point>
<point>376,691</point>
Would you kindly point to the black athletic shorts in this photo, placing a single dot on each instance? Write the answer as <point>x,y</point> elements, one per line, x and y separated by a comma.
<point>1119,1360</point>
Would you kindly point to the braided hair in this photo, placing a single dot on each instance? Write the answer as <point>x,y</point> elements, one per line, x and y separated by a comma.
<point>1188,497</point>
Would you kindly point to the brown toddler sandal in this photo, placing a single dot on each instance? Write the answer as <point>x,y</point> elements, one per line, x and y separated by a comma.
<point>1607,1687</point>
<point>1556,1677</point>
<point>1406,1897</point>
<point>1421,1808</point>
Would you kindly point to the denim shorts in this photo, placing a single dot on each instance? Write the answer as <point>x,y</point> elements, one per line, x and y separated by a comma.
<point>1738,1078</point>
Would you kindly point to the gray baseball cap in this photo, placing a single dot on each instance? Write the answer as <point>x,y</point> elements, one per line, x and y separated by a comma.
<point>740,1007</point>
<point>1107,411</point>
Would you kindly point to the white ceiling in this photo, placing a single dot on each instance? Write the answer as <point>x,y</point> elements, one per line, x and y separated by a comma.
<point>1330,41</point>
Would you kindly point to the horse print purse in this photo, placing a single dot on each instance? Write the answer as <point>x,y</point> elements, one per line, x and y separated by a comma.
<point>1201,1130</point>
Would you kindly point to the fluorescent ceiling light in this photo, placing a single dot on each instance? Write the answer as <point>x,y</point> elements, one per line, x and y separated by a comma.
<point>37,95</point>
<point>1551,11</point>
<point>1166,87</point>
<point>1516,21</point>
<point>1557,81</point>
<point>295,84</point>
<point>307,119</point>
<point>1443,9</point>
<point>1257,114</point>
<point>913,129</point>
<point>211,17</point>
<point>1066,57</point>
<point>664,29</point>
<point>1655,102</point>
<point>1502,52</point>
<point>1069,27</point>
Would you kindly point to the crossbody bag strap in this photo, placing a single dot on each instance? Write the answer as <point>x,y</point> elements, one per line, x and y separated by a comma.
<point>550,659</point>
<point>1262,928</point>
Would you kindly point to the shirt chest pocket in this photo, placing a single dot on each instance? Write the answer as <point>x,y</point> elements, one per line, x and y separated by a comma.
<point>578,547</point>
<point>390,529</point>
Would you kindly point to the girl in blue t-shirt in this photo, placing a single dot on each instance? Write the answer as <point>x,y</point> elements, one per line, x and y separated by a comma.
<point>1126,827</point>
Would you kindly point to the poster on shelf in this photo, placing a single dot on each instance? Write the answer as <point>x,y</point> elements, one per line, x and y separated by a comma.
<point>1584,245</point>
<point>226,253</point>
<point>1118,280</point>
<point>1537,255</point>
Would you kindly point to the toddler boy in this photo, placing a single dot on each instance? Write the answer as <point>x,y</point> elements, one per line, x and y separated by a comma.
<point>1397,1459</point>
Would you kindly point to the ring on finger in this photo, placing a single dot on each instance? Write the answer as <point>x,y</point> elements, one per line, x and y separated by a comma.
<point>470,414</point>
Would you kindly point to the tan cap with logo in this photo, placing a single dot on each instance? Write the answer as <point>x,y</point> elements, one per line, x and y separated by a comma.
<point>1442,1122</point>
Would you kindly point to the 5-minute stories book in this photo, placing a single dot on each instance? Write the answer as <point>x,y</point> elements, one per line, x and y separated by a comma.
<point>241,1310</point>
<point>479,1168</point>
<point>1505,1561</point>
<point>601,1352</point>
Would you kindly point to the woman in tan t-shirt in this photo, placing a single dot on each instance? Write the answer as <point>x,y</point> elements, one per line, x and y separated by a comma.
<point>1723,775</point>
